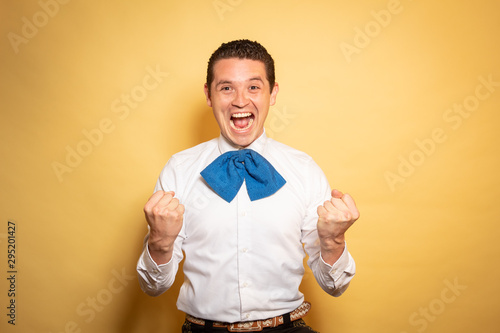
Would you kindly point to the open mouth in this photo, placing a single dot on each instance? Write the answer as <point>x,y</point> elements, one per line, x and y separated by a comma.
<point>241,121</point>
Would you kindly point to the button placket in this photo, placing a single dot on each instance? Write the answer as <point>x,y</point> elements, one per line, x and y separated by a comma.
<point>244,251</point>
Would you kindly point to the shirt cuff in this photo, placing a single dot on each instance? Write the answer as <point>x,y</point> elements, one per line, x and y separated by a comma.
<point>147,263</point>
<point>339,267</point>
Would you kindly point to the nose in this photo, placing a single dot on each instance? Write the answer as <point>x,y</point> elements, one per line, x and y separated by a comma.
<point>240,98</point>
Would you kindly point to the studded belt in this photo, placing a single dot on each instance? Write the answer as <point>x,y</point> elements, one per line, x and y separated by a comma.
<point>257,325</point>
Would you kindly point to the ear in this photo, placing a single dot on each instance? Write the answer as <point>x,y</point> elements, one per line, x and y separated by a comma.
<point>207,95</point>
<point>274,92</point>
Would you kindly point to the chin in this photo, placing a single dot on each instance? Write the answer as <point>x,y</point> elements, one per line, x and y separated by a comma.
<point>242,139</point>
<point>242,142</point>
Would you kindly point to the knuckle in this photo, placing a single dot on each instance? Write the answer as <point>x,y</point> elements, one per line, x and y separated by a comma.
<point>157,211</point>
<point>328,217</point>
<point>147,206</point>
<point>176,215</point>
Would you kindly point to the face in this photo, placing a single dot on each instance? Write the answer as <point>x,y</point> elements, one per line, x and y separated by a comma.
<point>240,98</point>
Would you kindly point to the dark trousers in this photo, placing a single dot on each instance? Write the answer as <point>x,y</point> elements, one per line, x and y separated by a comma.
<point>297,326</point>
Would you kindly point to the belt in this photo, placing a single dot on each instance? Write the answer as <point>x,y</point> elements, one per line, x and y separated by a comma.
<point>257,325</point>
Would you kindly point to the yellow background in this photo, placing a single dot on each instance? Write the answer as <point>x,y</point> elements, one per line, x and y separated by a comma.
<point>364,85</point>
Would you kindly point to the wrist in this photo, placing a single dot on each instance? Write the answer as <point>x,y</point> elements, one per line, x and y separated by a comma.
<point>160,246</point>
<point>160,241</point>
<point>332,243</point>
<point>160,253</point>
<point>332,249</point>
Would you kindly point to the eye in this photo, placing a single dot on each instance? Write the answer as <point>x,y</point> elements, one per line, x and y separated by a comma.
<point>225,88</point>
<point>254,87</point>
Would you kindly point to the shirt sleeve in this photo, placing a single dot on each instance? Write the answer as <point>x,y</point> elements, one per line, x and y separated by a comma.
<point>336,278</point>
<point>333,279</point>
<point>155,279</point>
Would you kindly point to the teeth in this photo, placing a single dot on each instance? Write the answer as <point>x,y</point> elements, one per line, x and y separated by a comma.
<point>242,115</point>
<point>250,122</point>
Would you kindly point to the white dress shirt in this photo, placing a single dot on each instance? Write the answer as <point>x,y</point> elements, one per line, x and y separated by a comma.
<point>244,259</point>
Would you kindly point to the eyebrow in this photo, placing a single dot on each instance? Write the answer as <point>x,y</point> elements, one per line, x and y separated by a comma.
<point>256,78</point>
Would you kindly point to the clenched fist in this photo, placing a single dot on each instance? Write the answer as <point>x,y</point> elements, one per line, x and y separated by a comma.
<point>164,215</point>
<point>335,216</point>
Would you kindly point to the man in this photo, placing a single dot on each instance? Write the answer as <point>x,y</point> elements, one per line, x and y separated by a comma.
<point>243,223</point>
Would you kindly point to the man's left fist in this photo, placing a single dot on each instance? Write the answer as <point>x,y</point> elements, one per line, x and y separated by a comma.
<point>335,217</point>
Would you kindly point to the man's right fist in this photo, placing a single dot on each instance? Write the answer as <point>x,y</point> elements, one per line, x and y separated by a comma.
<point>164,215</point>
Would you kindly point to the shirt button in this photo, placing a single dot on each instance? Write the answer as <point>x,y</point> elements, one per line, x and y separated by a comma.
<point>247,316</point>
<point>245,250</point>
<point>245,285</point>
<point>243,213</point>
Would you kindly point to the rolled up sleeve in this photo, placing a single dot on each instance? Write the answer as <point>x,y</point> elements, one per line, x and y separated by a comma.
<point>334,279</point>
<point>155,279</point>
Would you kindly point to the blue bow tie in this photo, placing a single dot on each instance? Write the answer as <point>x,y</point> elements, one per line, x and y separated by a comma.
<point>226,173</point>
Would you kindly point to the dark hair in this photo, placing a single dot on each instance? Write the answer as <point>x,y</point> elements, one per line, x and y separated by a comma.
<point>242,49</point>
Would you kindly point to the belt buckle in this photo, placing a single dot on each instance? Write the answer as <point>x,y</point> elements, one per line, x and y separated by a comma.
<point>248,326</point>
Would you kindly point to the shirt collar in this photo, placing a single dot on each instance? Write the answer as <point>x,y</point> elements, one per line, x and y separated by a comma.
<point>258,145</point>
